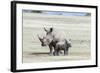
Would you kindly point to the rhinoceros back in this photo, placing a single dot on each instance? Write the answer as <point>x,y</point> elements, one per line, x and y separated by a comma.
<point>58,35</point>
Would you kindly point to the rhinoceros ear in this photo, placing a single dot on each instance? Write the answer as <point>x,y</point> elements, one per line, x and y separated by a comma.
<point>51,29</point>
<point>40,38</point>
<point>45,29</point>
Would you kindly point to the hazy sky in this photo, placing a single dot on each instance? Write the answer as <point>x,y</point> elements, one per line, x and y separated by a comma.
<point>65,13</point>
<point>58,13</point>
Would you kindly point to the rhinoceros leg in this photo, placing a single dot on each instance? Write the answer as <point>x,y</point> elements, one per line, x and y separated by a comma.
<point>65,51</point>
<point>55,52</point>
<point>51,50</point>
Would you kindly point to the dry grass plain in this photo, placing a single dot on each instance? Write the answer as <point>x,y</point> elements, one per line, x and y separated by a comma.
<point>76,28</point>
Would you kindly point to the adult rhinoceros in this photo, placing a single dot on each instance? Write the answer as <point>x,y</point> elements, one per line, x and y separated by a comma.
<point>53,39</point>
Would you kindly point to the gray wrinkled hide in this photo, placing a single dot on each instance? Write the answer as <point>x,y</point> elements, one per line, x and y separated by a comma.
<point>55,40</point>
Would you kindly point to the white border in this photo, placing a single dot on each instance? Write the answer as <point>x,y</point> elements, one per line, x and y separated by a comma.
<point>52,64</point>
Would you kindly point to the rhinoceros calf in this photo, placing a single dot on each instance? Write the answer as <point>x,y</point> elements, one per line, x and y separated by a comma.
<point>62,45</point>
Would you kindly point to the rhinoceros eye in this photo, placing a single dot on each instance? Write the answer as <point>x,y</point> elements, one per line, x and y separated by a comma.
<point>43,37</point>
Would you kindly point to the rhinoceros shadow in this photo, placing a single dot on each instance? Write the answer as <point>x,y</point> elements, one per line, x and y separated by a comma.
<point>39,53</point>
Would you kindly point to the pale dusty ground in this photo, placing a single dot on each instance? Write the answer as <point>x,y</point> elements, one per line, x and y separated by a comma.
<point>76,28</point>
